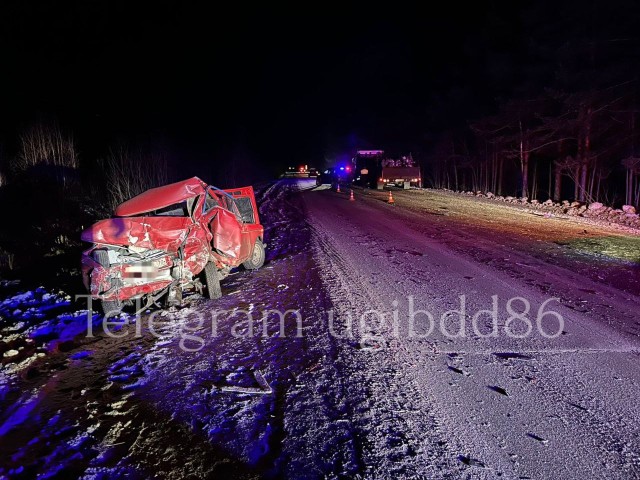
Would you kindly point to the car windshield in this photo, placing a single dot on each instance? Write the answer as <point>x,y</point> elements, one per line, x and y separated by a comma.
<point>176,210</point>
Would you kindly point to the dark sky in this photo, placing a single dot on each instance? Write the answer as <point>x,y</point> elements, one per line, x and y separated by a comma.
<point>281,86</point>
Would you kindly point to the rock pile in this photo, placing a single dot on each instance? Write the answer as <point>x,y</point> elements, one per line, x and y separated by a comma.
<point>597,211</point>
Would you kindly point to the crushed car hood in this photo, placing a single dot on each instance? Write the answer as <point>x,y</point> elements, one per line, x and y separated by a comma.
<point>163,233</point>
<point>161,197</point>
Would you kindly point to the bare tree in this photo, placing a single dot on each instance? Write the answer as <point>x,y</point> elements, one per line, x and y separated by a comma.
<point>632,185</point>
<point>129,172</point>
<point>517,131</point>
<point>3,178</point>
<point>46,144</point>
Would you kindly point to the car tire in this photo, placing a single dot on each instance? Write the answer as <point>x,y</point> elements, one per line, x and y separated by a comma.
<point>212,278</point>
<point>109,307</point>
<point>257,256</point>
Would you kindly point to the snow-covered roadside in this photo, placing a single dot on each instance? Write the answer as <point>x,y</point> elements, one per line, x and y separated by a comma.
<point>480,227</point>
<point>77,406</point>
<point>33,324</point>
<point>620,219</point>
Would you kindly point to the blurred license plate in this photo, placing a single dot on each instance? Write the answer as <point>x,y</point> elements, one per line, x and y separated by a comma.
<point>144,270</point>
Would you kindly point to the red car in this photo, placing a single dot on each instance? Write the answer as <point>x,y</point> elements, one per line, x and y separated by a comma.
<point>160,241</point>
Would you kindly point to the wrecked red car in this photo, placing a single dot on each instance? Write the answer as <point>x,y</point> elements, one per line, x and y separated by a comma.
<point>159,243</point>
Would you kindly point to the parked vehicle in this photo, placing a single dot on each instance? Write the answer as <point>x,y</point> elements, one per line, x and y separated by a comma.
<point>336,175</point>
<point>303,171</point>
<point>325,178</point>
<point>368,166</point>
<point>376,170</point>
<point>159,243</point>
<point>403,177</point>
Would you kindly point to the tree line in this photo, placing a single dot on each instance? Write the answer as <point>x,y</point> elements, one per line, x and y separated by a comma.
<point>580,146</point>
<point>567,126</point>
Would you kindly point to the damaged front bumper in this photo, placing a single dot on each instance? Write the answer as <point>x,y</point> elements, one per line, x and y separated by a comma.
<point>128,280</point>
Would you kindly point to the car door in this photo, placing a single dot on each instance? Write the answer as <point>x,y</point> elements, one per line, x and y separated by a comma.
<point>225,224</point>
<point>245,203</point>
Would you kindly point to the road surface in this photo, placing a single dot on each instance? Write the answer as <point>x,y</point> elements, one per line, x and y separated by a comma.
<point>530,407</point>
<point>389,363</point>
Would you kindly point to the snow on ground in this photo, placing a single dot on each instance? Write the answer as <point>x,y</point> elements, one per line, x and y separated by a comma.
<point>201,391</point>
<point>606,253</point>
<point>516,407</point>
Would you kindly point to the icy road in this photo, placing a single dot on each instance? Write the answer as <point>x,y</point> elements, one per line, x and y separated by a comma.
<point>440,337</point>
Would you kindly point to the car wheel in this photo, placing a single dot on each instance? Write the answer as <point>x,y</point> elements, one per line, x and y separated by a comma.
<point>257,256</point>
<point>109,307</point>
<point>213,281</point>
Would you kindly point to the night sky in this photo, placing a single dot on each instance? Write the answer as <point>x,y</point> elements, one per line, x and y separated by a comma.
<point>278,85</point>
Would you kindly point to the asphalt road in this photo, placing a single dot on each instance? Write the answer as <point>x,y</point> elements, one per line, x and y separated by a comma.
<point>525,407</point>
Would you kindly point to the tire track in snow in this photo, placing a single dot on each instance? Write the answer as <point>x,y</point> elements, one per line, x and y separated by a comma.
<point>319,437</point>
<point>402,438</point>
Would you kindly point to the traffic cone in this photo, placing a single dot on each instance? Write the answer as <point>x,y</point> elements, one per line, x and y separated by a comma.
<point>338,189</point>
<point>351,196</point>
<point>390,200</point>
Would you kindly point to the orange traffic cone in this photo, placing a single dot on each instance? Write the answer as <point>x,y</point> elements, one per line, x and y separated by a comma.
<point>351,196</point>
<point>338,189</point>
<point>390,200</point>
